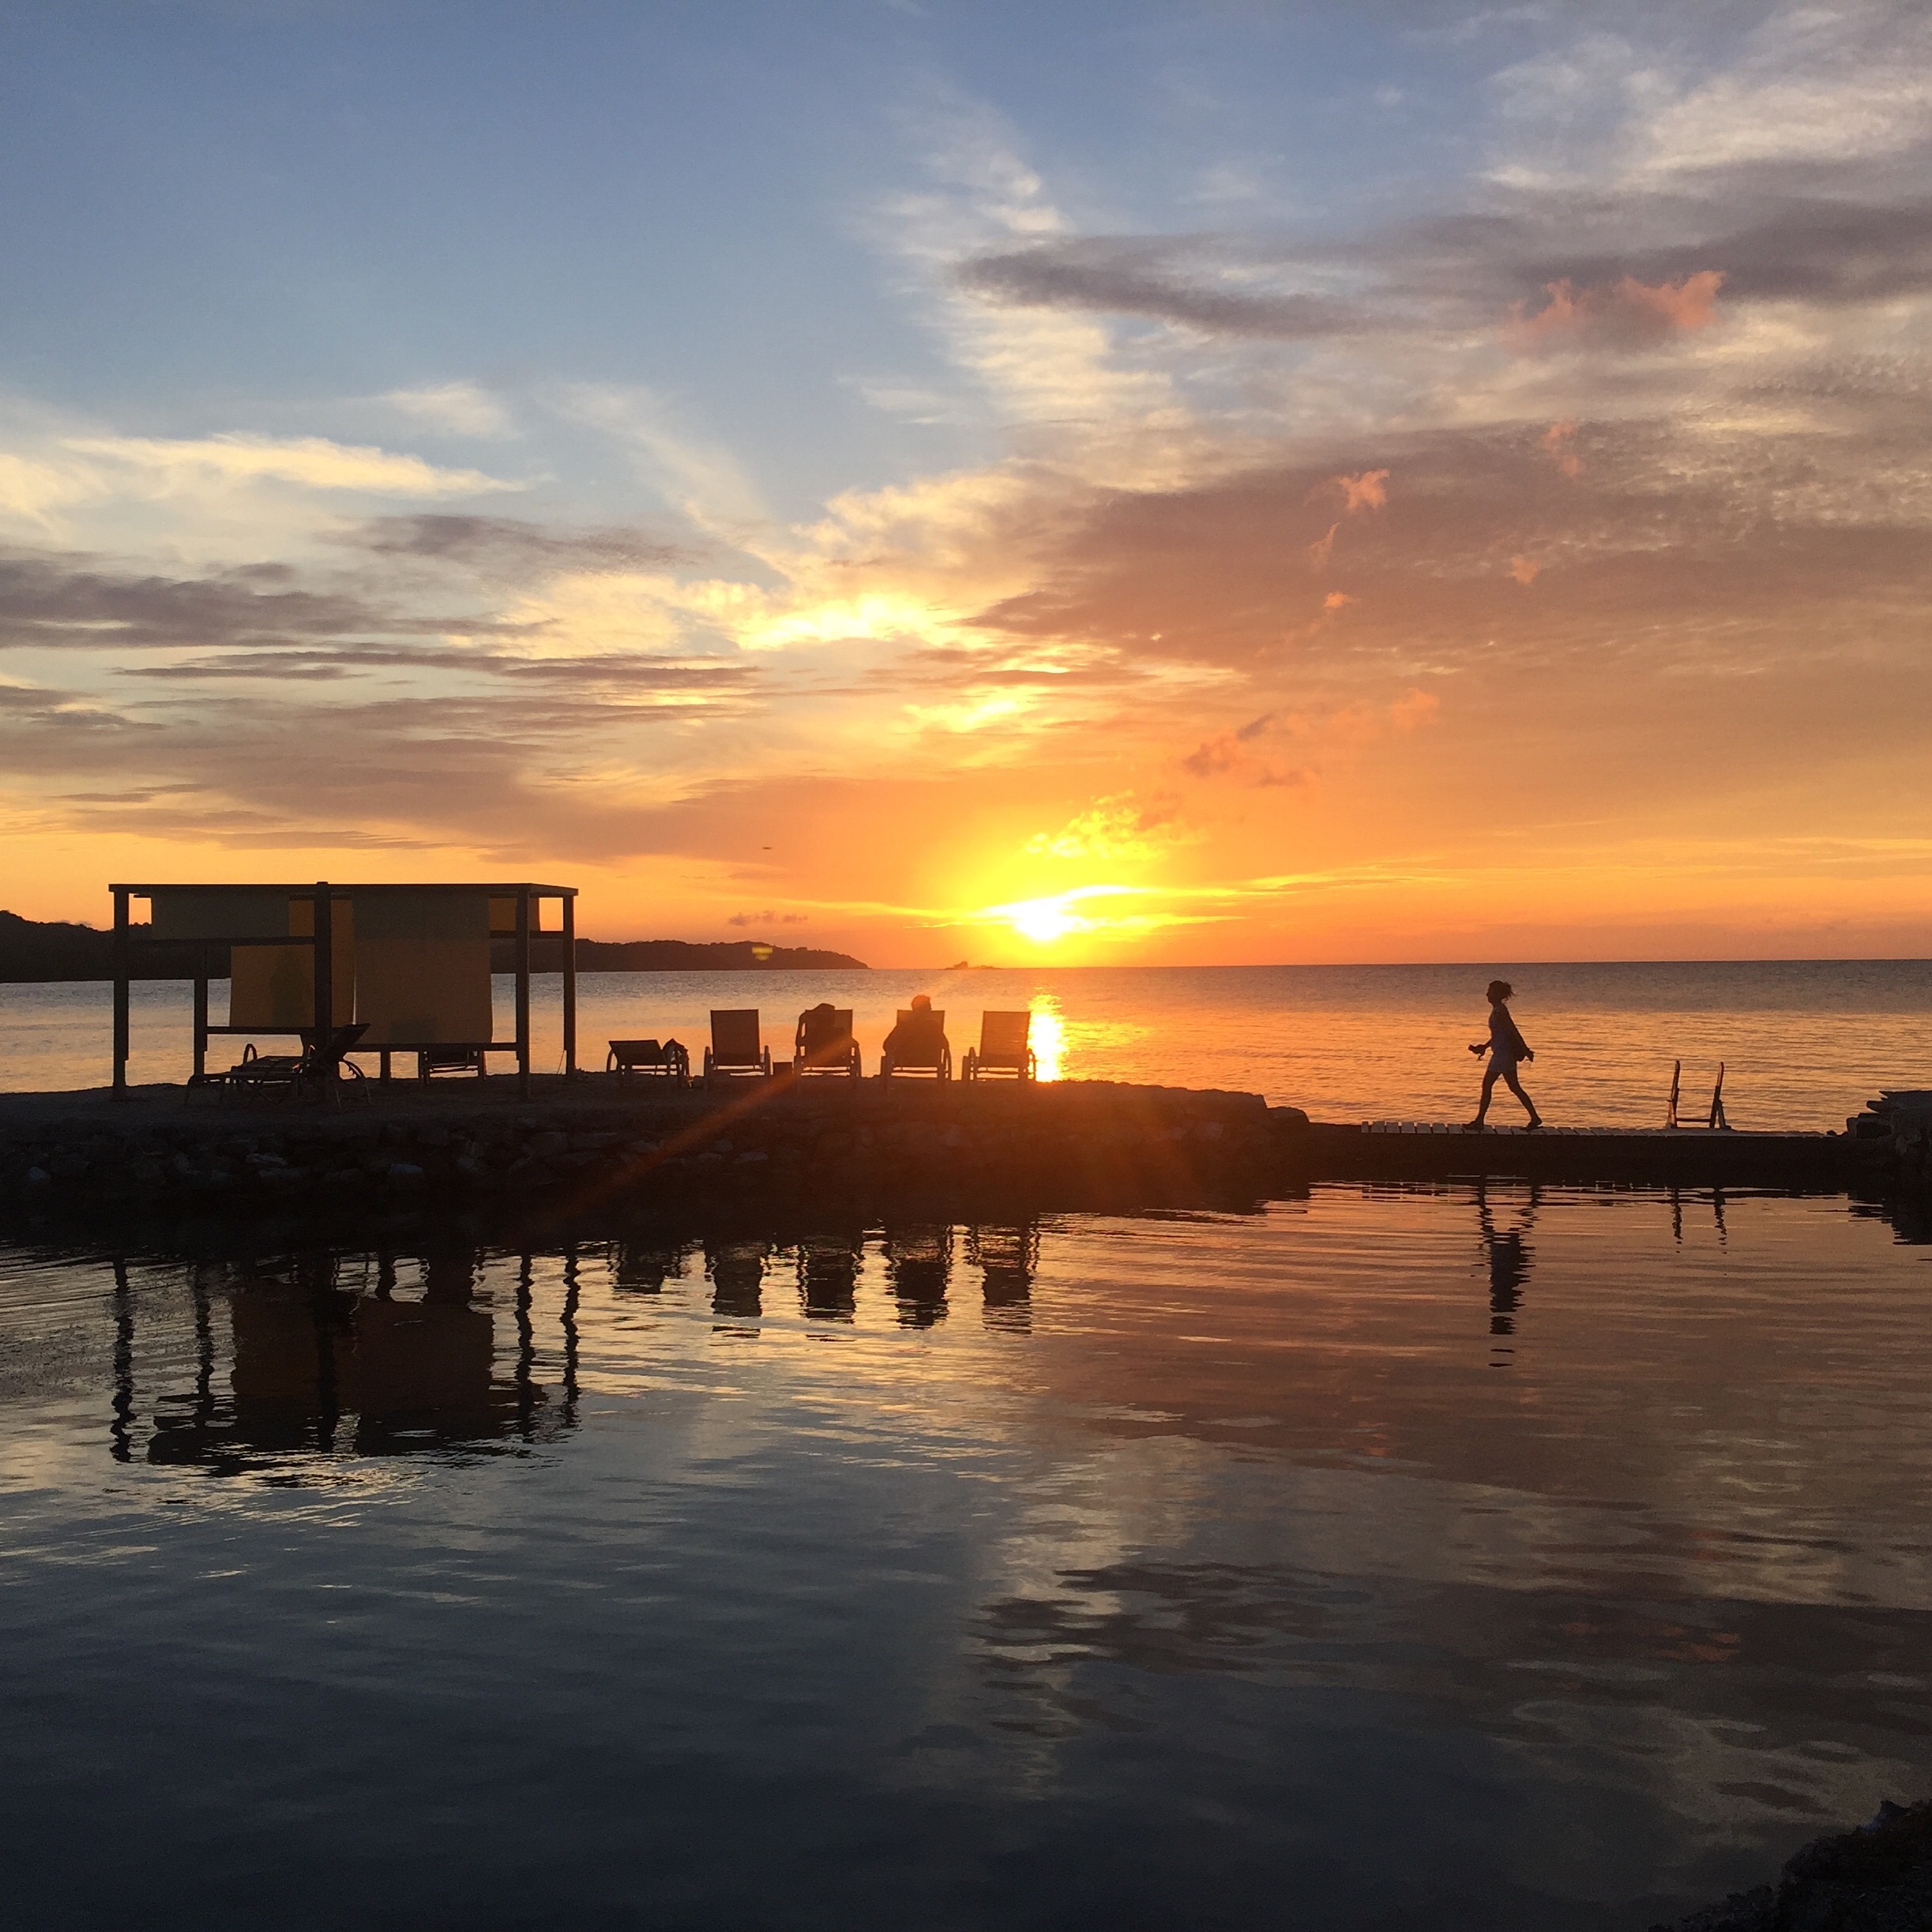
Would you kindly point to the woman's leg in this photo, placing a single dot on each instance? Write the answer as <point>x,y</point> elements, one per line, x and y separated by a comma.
<point>1489,1086</point>
<point>1516,1087</point>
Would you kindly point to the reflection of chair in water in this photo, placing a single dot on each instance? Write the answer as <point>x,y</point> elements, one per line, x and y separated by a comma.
<point>737,1050</point>
<point>828,1268</point>
<point>920,1262</point>
<point>825,1042</point>
<point>1003,1048</point>
<point>1009,1257</point>
<point>737,1272</point>
<point>643,1267</point>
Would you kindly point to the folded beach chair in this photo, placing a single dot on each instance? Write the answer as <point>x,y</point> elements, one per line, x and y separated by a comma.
<point>922,1048</point>
<point>670,1061</point>
<point>825,1042</point>
<point>736,1051</point>
<point>1002,1048</point>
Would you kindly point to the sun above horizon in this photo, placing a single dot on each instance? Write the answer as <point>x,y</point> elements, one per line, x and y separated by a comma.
<point>1044,921</point>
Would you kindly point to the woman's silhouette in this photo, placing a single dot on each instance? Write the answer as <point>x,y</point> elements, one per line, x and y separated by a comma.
<point>1506,1047</point>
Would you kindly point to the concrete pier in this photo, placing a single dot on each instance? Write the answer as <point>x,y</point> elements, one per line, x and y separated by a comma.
<point>1613,1156</point>
<point>597,1142</point>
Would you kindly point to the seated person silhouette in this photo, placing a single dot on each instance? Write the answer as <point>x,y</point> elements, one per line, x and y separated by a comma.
<point>918,1039</point>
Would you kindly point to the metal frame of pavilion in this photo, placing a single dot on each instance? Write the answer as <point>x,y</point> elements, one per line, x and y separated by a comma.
<point>524,894</point>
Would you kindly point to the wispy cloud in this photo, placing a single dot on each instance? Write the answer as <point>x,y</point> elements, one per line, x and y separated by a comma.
<point>312,461</point>
<point>459,408</point>
<point>697,473</point>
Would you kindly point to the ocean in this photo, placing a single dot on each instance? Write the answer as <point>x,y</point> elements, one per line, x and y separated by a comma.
<point>1804,1043</point>
<point>1504,1559</point>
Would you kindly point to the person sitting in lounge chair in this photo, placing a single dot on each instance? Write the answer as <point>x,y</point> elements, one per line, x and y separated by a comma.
<point>918,1042</point>
<point>825,1042</point>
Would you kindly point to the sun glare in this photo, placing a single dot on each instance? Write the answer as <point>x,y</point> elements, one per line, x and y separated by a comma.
<point>1047,1035</point>
<point>1043,920</point>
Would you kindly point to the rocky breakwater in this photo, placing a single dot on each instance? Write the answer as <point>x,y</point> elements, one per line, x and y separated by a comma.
<point>1901,1118</point>
<point>593,1143</point>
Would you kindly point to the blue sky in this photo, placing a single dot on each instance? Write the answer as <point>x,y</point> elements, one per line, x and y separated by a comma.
<point>274,208</point>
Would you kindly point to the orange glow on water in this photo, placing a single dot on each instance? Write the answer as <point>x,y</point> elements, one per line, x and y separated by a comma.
<point>1048,1037</point>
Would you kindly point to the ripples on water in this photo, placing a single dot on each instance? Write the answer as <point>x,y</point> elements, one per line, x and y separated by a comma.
<point>1806,1044</point>
<point>1541,1560</point>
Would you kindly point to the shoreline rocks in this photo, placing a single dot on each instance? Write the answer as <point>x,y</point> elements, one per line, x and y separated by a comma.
<point>1877,1878</point>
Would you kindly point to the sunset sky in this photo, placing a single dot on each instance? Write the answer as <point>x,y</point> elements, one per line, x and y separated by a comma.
<point>1106,483</point>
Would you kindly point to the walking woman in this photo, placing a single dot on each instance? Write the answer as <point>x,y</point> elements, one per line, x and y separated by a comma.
<point>1507,1047</point>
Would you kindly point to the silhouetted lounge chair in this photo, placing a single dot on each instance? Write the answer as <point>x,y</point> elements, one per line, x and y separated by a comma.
<point>736,1051</point>
<point>295,1072</point>
<point>922,1047</point>
<point>825,1042</point>
<point>670,1061</point>
<point>431,1061</point>
<point>1003,1047</point>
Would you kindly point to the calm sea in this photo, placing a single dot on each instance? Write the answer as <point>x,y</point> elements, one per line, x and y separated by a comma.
<point>1526,1562</point>
<point>1804,1043</point>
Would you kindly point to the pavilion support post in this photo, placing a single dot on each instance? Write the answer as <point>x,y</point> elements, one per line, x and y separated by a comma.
<point>523,992</point>
<point>324,1013</point>
<point>570,984</point>
<point>122,967</point>
<point>200,1010</point>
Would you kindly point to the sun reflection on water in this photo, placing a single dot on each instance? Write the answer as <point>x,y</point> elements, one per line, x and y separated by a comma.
<point>1047,1036</point>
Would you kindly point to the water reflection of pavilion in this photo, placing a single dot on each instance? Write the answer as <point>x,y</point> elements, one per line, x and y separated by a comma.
<point>380,1354</point>
<point>327,1355</point>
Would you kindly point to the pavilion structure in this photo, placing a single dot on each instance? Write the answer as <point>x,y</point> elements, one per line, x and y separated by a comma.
<point>411,964</point>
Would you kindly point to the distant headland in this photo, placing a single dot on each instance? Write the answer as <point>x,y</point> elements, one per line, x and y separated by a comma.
<point>34,949</point>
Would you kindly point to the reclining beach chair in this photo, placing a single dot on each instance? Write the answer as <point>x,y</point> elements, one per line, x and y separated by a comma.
<point>736,1051</point>
<point>825,1042</point>
<point>312,1071</point>
<point>670,1061</point>
<point>1003,1047</point>
<point>925,1052</point>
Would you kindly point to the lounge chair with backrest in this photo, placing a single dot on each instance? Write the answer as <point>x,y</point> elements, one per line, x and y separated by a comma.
<point>923,1047</point>
<point>670,1061</point>
<point>295,1073</point>
<point>736,1051</point>
<point>1003,1047</point>
<point>430,1061</point>
<point>825,1042</point>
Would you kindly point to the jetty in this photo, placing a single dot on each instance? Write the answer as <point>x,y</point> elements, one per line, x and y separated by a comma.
<point>403,972</point>
<point>607,1141</point>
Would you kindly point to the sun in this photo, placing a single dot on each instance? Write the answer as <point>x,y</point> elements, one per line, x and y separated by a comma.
<point>1044,921</point>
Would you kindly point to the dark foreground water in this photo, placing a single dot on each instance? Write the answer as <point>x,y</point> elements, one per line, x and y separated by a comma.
<point>1386,1558</point>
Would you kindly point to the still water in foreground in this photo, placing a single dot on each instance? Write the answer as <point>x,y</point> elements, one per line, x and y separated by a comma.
<point>1387,1558</point>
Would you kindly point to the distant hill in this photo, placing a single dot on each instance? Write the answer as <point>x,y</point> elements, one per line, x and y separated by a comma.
<point>31,949</point>
<point>727,956</point>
